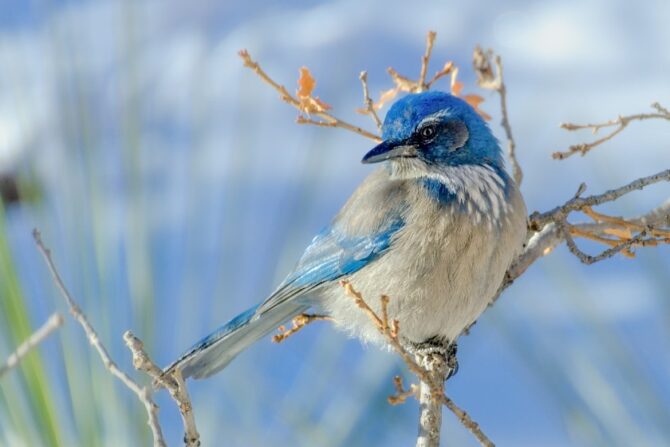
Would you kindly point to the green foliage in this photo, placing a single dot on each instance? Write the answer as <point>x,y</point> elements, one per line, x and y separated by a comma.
<point>40,421</point>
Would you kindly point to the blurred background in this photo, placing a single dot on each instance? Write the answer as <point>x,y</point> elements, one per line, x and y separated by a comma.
<point>175,191</point>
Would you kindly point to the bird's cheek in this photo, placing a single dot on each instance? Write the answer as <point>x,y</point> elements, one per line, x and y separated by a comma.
<point>438,156</point>
<point>425,156</point>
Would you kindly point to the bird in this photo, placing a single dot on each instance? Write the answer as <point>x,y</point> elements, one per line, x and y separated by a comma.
<point>434,227</point>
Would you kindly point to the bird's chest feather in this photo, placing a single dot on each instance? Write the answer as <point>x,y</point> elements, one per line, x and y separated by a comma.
<point>446,262</point>
<point>447,247</point>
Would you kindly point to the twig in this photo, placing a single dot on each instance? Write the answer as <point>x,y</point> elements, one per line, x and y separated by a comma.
<point>538,220</point>
<point>304,120</point>
<point>173,383</point>
<point>488,80</point>
<point>54,322</point>
<point>143,393</point>
<point>660,108</point>
<point>367,101</point>
<point>467,422</point>
<point>594,236</point>
<point>299,322</point>
<point>546,234</point>
<point>405,84</point>
<point>658,216</point>
<point>430,41</point>
<point>587,259</point>
<point>445,70</point>
<point>329,120</point>
<point>511,144</point>
<point>605,225</point>
<point>401,394</point>
<point>619,124</point>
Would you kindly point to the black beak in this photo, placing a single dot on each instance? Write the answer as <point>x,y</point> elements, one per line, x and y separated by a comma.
<point>387,150</point>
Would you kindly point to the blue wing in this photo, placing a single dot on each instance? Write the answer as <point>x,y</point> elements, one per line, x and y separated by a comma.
<point>361,233</point>
<point>331,256</point>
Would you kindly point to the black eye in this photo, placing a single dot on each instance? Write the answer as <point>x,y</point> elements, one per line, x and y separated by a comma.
<point>427,132</point>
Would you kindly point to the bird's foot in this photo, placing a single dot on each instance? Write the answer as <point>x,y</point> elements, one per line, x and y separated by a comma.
<point>437,347</point>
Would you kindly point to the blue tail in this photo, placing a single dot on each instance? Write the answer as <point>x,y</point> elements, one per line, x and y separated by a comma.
<point>214,352</point>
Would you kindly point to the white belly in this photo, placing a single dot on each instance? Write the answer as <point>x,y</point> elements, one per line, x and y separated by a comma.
<point>440,274</point>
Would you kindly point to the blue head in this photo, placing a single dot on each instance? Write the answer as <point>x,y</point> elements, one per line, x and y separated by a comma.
<point>434,129</point>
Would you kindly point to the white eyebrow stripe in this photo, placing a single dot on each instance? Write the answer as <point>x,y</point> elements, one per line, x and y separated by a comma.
<point>437,116</point>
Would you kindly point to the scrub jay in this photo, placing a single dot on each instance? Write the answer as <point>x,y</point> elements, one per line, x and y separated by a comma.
<point>435,228</point>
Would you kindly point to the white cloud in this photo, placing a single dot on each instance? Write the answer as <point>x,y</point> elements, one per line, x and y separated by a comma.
<point>561,35</point>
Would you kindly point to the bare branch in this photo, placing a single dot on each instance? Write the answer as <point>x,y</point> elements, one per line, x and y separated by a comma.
<point>658,216</point>
<point>660,108</point>
<point>481,62</point>
<point>486,79</point>
<point>547,229</point>
<point>173,383</point>
<point>543,242</point>
<point>444,71</point>
<point>143,393</point>
<point>402,394</point>
<point>538,220</point>
<point>405,84</point>
<point>511,144</point>
<point>54,322</point>
<point>430,41</point>
<point>619,124</point>
<point>467,422</point>
<point>546,234</point>
<point>620,247</point>
<point>615,232</point>
<point>299,322</point>
<point>367,101</point>
<point>328,119</point>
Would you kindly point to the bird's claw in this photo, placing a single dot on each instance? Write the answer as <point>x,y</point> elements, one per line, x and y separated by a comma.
<point>437,347</point>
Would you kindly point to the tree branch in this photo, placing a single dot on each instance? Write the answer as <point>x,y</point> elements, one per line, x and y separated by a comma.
<point>54,322</point>
<point>587,259</point>
<point>547,232</point>
<point>173,383</point>
<point>430,41</point>
<point>467,422</point>
<point>445,70</point>
<point>538,220</point>
<point>142,393</point>
<point>401,394</point>
<point>486,79</point>
<point>328,119</point>
<point>299,322</point>
<point>619,124</point>
<point>367,101</point>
